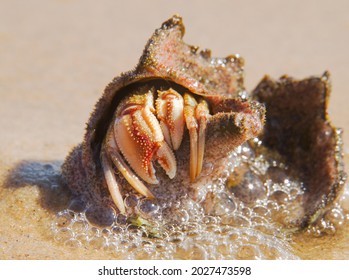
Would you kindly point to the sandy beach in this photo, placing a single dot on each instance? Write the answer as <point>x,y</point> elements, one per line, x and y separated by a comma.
<point>56,57</point>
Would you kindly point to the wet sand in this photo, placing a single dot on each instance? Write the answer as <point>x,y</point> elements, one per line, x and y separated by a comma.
<point>57,57</point>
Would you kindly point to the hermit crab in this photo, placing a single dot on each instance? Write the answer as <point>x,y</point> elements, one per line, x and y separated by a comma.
<point>180,108</point>
<point>144,114</point>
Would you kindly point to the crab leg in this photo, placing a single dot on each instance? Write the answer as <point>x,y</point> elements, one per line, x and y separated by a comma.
<point>112,184</point>
<point>192,125</point>
<point>196,116</point>
<point>202,115</point>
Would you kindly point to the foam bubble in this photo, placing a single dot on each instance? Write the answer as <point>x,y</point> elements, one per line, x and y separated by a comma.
<point>236,215</point>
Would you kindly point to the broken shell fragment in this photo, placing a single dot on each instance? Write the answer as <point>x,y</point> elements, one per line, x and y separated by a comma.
<point>298,128</point>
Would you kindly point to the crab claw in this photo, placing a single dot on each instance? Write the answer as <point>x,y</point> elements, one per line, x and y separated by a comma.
<point>140,139</point>
<point>110,152</point>
<point>196,117</point>
<point>169,110</point>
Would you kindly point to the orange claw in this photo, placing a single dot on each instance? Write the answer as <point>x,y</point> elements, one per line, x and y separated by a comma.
<point>140,139</point>
<point>169,110</point>
<point>110,152</point>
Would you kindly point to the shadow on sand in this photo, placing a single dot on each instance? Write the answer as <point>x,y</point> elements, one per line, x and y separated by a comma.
<point>54,195</point>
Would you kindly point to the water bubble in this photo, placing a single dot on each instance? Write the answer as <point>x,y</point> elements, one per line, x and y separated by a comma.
<point>294,193</point>
<point>148,206</point>
<point>98,242</point>
<point>144,254</point>
<point>177,237</point>
<point>117,229</point>
<point>113,241</point>
<point>192,227</point>
<point>344,200</point>
<point>265,228</point>
<point>105,232</point>
<point>279,197</point>
<point>335,216</point>
<point>281,216</point>
<point>248,252</point>
<point>248,189</point>
<point>64,234</point>
<point>121,219</point>
<point>236,220</point>
<point>257,220</point>
<point>200,194</point>
<point>73,243</point>
<point>270,253</point>
<point>64,219</point>
<point>246,211</point>
<point>210,220</point>
<point>276,174</point>
<point>198,252</point>
<point>92,232</point>
<point>214,228</point>
<point>272,206</point>
<point>180,216</point>
<point>136,232</point>
<point>223,249</point>
<point>233,237</point>
<point>326,227</point>
<point>79,226</point>
<point>131,201</point>
<point>188,204</point>
<point>261,210</point>
<point>82,238</point>
<point>223,204</point>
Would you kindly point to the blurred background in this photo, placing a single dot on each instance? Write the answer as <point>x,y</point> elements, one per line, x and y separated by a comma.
<point>57,56</point>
